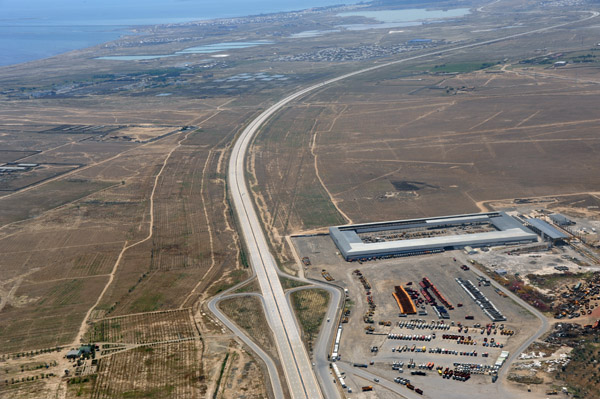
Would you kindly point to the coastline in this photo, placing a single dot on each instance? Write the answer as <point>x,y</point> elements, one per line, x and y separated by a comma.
<point>40,39</point>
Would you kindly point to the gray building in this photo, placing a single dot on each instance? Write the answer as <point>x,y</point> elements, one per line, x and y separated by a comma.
<point>561,220</point>
<point>545,230</point>
<point>506,230</point>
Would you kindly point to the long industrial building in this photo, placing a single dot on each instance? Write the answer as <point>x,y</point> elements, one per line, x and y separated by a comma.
<point>545,230</point>
<point>503,230</point>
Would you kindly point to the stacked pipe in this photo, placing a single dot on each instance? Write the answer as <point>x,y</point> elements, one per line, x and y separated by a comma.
<point>403,300</point>
<point>437,293</point>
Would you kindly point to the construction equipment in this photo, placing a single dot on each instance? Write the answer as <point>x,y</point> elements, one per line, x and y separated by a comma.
<point>326,275</point>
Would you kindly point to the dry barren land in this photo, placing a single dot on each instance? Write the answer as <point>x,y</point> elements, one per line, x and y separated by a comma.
<point>118,229</point>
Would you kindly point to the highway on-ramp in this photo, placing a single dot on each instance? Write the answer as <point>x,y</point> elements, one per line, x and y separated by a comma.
<point>294,358</point>
<point>271,367</point>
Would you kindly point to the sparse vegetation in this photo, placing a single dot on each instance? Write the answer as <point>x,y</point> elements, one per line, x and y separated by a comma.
<point>216,393</point>
<point>252,286</point>
<point>247,312</point>
<point>310,306</point>
<point>233,278</point>
<point>462,67</point>
<point>525,379</point>
<point>526,292</point>
<point>167,370</point>
<point>143,328</point>
<point>556,280</point>
<point>288,283</point>
<point>581,374</point>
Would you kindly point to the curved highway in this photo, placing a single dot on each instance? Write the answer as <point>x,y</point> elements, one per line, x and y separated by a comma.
<point>294,358</point>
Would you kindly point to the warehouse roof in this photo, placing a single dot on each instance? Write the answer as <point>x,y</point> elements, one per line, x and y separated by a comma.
<point>409,223</point>
<point>547,229</point>
<point>433,243</point>
<point>352,246</point>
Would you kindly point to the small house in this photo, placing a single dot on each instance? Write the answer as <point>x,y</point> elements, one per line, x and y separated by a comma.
<point>73,354</point>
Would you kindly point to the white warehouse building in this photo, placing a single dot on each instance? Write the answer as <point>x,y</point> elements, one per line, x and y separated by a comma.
<point>506,230</point>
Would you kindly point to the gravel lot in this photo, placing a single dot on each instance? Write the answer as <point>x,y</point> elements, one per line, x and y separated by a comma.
<point>383,275</point>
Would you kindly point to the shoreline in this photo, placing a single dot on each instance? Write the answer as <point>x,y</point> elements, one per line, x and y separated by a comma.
<point>120,28</point>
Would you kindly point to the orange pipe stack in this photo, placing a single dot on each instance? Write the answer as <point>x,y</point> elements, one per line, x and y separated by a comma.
<point>403,300</point>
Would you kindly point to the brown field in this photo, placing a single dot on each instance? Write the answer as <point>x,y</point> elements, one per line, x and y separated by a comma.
<point>144,328</point>
<point>49,315</point>
<point>14,155</point>
<point>67,239</point>
<point>81,222</point>
<point>28,389</point>
<point>422,145</point>
<point>54,194</point>
<point>287,189</point>
<point>18,181</point>
<point>294,196</point>
<point>248,314</point>
<point>152,371</point>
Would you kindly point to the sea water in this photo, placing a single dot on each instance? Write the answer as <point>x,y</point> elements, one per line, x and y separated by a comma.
<point>35,29</point>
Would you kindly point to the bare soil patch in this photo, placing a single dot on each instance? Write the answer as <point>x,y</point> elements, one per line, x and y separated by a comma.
<point>248,314</point>
<point>50,316</point>
<point>144,328</point>
<point>167,370</point>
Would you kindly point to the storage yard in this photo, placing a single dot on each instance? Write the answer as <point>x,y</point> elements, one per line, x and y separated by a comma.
<point>420,323</point>
<point>423,323</point>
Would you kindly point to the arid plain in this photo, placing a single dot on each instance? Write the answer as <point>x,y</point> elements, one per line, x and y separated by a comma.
<point>124,230</point>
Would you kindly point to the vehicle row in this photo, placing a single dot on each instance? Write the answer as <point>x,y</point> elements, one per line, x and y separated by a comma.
<point>406,383</point>
<point>407,348</point>
<point>412,337</point>
<point>422,324</point>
